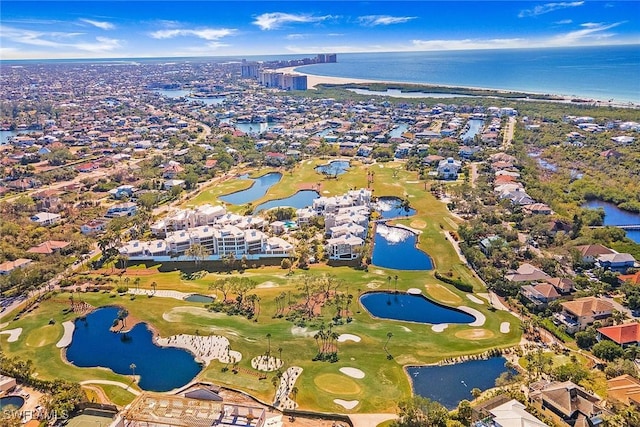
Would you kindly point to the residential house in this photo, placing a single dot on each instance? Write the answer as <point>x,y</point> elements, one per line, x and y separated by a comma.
<point>87,167</point>
<point>616,261</point>
<point>538,208</point>
<point>449,168</point>
<point>527,273</point>
<point>121,209</point>
<point>93,227</point>
<point>509,414</point>
<point>576,315</point>
<point>170,183</point>
<point>624,389</point>
<point>626,334</point>
<point>540,295</point>
<point>345,247</point>
<point>275,159</point>
<point>563,285</point>
<point>489,243</point>
<point>570,402</point>
<point>8,266</point>
<point>172,170</point>
<point>46,218</point>
<point>48,247</point>
<point>591,252</point>
<point>633,279</point>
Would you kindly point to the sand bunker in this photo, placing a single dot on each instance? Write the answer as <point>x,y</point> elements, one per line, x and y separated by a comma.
<point>412,182</point>
<point>65,341</point>
<point>414,291</point>
<point>266,363</point>
<point>160,293</point>
<point>267,284</point>
<point>348,337</point>
<point>205,348</point>
<point>505,327</point>
<point>14,334</point>
<point>287,382</point>
<point>475,334</point>
<point>475,299</point>
<point>404,328</point>
<point>347,404</point>
<point>352,372</point>
<point>374,285</point>
<point>480,318</point>
<point>418,223</point>
<point>175,315</point>
<point>439,327</point>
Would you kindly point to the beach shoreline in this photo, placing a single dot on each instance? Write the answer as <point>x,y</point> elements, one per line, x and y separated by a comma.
<point>314,80</point>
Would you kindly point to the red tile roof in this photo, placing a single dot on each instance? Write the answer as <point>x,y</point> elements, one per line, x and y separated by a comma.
<point>627,333</point>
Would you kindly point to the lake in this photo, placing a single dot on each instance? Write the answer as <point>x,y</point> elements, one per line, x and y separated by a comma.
<point>301,199</point>
<point>199,298</point>
<point>613,215</point>
<point>450,384</point>
<point>398,130</point>
<point>257,190</point>
<point>395,247</point>
<point>391,207</point>
<point>333,168</point>
<point>159,368</point>
<point>411,308</point>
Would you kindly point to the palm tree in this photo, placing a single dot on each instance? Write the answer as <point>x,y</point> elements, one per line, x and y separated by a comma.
<point>154,285</point>
<point>122,316</point>
<point>294,392</point>
<point>395,289</point>
<point>133,369</point>
<point>269,344</point>
<point>280,353</point>
<point>389,335</point>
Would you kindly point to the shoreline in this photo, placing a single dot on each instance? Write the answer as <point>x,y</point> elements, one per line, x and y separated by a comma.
<point>314,80</point>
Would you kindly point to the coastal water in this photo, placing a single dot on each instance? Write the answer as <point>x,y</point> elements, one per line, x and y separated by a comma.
<point>613,215</point>
<point>160,369</point>
<point>601,73</point>
<point>411,308</point>
<point>301,199</point>
<point>451,384</point>
<point>258,189</point>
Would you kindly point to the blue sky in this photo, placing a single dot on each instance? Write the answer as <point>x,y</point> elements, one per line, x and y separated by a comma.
<point>86,29</point>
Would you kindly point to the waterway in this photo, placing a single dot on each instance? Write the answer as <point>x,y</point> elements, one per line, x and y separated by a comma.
<point>613,215</point>
<point>411,308</point>
<point>159,368</point>
<point>257,190</point>
<point>475,126</point>
<point>6,134</point>
<point>395,247</point>
<point>301,199</point>
<point>451,384</point>
<point>178,93</point>
<point>398,130</point>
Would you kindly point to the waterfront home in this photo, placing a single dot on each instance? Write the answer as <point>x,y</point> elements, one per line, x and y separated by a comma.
<point>275,159</point>
<point>616,261</point>
<point>571,403</point>
<point>589,253</point>
<point>627,334</point>
<point>8,266</point>
<point>576,315</point>
<point>46,218</point>
<point>538,209</point>
<point>508,414</point>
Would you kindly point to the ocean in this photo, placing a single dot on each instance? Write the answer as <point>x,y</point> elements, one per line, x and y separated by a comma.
<point>600,73</point>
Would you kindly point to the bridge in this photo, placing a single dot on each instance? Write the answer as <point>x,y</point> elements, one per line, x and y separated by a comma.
<point>624,227</point>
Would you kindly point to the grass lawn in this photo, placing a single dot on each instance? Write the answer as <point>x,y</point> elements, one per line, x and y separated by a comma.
<point>385,382</point>
<point>117,395</point>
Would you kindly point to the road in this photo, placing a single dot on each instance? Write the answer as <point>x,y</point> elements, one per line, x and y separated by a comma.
<point>474,173</point>
<point>508,133</point>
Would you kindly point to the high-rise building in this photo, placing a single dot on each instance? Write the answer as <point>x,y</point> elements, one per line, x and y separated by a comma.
<point>294,82</point>
<point>331,57</point>
<point>249,70</point>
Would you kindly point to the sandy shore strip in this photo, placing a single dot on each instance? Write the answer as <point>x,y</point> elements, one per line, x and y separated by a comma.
<point>480,318</point>
<point>266,363</point>
<point>313,81</point>
<point>160,293</point>
<point>65,341</point>
<point>348,337</point>
<point>352,372</point>
<point>414,291</point>
<point>347,404</point>
<point>505,327</point>
<point>440,327</point>
<point>14,334</point>
<point>475,299</point>
<point>205,348</point>
<point>287,382</point>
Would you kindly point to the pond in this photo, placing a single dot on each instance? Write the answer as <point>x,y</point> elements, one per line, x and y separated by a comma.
<point>450,384</point>
<point>398,130</point>
<point>199,298</point>
<point>391,207</point>
<point>333,168</point>
<point>475,125</point>
<point>411,308</point>
<point>395,247</point>
<point>159,368</point>
<point>613,215</point>
<point>11,403</point>
<point>5,135</point>
<point>257,190</point>
<point>301,199</point>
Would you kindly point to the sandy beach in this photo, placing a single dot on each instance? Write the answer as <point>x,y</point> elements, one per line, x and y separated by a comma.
<point>313,80</point>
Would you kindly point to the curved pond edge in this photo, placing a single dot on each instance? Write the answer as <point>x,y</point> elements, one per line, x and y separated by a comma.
<point>253,181</point>
<point>466,310</point>
<point>417,234</point>
<point>257,208</point>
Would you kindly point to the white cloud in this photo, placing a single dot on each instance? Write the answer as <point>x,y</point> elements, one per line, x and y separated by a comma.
<point>205,33</point>
<point>591,31</point>
<point>274,20</point>
<point>296,36</point>
<point>548,7</point>
<point>464,44</point>
<point>564,22</point>
<point>58,40</point>
<point>100,24</point>
<point>374,20</point>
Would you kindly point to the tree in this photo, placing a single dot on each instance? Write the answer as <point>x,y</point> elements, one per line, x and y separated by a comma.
<point>607,350</point>
<point>620,367</point>
<point>419,411</point>
<point>389,335</point>
<point>154,286</point>
<point>197,252</point>
<point>268,344</point>
<point>122,316</point>
<point>133,369</point>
